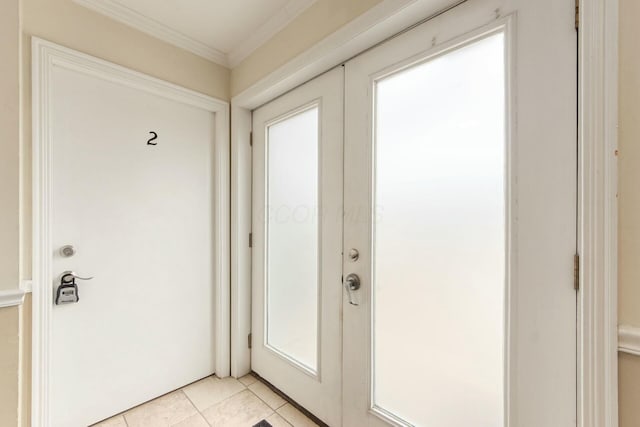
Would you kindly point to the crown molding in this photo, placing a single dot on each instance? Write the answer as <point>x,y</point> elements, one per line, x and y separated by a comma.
<point>267,30</point>
<point>130,17</point>
<point>117,11</point>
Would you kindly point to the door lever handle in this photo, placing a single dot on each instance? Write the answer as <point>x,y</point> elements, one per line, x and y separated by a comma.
<point>352,284</point>
<point>67,292</point>
<point>70,277</point>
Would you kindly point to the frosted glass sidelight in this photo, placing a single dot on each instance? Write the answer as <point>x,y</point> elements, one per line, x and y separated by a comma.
<point>292,238</point>
<point>439,239</point>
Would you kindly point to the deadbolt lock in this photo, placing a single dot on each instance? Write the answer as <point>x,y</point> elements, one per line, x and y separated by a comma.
<point>67,251</point>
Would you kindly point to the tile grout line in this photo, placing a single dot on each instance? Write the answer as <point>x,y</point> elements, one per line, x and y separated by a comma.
<point>264,401</point>
<point>286,420</point>
<point>274,411</point>
<point>245,387</point>
<point>194,405</point>
<point>224,400</point>
<point>181,389</point>
<point>248,388</point>
<point>155,399</point>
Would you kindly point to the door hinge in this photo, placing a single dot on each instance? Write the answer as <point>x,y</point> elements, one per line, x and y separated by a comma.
<point>577,14</point>
<point>251,137</point>
<point>576,272</point>
<point>249,340</point>
<point>250,240</point>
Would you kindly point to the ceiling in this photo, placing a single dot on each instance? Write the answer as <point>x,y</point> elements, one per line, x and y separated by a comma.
<point>224,31</point>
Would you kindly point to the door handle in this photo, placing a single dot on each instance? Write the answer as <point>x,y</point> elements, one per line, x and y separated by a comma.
<point>67,292</point>
<point>352,284</point>
<point>70,277</point>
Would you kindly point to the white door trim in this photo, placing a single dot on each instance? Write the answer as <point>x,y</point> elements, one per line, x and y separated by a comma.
<point>598,217</point>
<point>597,299</point>
<point>47,56</point>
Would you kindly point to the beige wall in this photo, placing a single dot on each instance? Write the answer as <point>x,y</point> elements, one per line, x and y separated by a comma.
<point>63,22</point>
<point>9,207</point>
<point>629,226</point>
<point>313,25</point>
<point>629,131</point>
<point>629,386</point>
<point>9,366</point>
<point>9,143</point>
<point>24,391</point>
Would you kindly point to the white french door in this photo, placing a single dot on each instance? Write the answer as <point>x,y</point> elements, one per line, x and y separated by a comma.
<point>297,241</point>
<point>460,146</point>
<point>458,227</point>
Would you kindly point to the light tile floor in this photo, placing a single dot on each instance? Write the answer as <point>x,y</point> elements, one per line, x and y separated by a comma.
<point>214,402</point>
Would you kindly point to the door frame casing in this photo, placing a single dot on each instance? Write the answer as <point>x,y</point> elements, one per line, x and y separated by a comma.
<point>377,24</point>
<point>598,213</point>
<point>597,194</point>
<point>46,56</point>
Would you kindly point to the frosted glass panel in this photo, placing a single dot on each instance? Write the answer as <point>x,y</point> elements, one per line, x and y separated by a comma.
<point>439,240</point>
<point>292,238</point>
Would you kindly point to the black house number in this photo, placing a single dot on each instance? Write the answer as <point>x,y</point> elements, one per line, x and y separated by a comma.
<point>155,136</point>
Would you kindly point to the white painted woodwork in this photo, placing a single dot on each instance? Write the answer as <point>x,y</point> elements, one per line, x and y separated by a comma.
<point>241,214</point>
<point>598,214</point>
<point>541,184</point>
<point>317,390</point>
<point>148,222</point>
<point>26,286</point>
<point>629,339</point>
<point>597,68</point>
<point>12,297</point>
<point>140,218</point>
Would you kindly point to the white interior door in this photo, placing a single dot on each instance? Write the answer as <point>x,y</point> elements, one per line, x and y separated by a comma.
<point>460,196</point>
<point>140,219</point>
<point>297,242</point>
